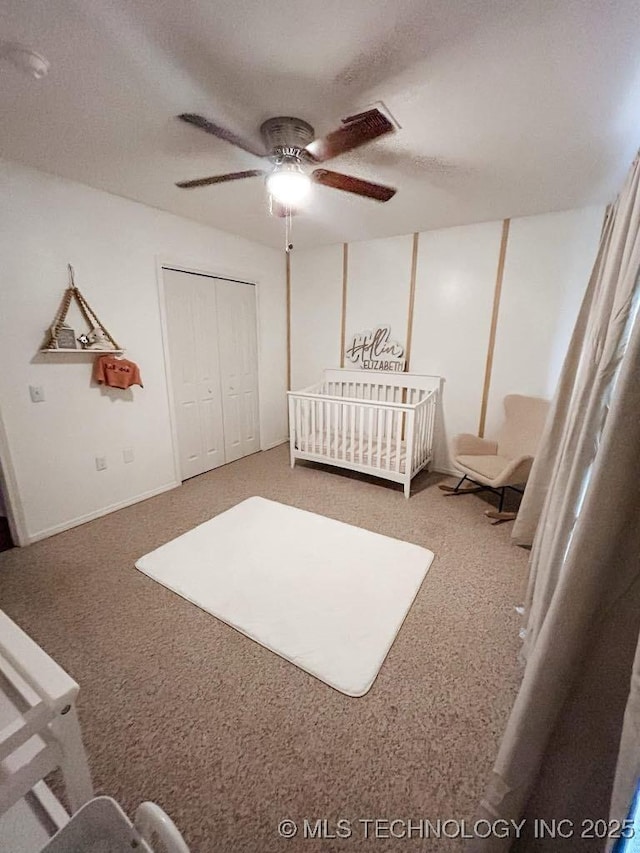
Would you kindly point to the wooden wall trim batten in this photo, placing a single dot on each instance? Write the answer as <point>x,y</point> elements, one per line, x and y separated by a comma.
<point>288,281</point>
<point>494,325</point>
<point>412,299</point>
<point>343,318</point>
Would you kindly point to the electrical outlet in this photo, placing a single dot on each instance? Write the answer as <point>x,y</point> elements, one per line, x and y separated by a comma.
<point>37,393</point>
<point>101,463</point>
<point>127,454</point>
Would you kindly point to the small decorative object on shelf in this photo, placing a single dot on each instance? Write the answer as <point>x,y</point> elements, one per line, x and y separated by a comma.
<point>66,338</point>
<point>98,340</point>
<point>61,338</point>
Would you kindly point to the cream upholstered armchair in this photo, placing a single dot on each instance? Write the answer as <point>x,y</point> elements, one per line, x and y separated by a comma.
<point>506,462</point>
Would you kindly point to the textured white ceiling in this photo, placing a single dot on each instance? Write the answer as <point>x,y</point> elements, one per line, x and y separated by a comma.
<point>506,107</point>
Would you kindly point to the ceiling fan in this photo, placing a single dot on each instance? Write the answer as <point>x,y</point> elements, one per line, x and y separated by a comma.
<point>290,145</point>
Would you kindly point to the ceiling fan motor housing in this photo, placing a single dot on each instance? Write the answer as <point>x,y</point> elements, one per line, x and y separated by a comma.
<point>286,136</point>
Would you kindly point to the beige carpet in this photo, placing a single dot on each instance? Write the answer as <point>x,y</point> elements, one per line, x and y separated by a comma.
<point>179,708</point>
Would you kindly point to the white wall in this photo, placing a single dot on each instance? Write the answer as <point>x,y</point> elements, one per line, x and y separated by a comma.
<point>548,262</point>
<point>455,282</point>
<point>316,303</point>
<point>378,284</point>
<point>547,267</point>
<point>114,244</point>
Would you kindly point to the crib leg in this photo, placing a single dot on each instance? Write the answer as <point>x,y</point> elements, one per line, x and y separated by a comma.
<point>407,489</point>
<point>293,461</point>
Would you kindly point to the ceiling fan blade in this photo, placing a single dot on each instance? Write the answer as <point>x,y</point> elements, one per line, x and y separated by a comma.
<point>219,179</point>
<point>349,184</point>
<point>222,133</point>
<point>356,131</point>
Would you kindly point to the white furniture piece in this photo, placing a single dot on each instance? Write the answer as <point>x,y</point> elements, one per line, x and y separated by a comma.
<point>39,729</point>
<point>375,422</point>
<point>102,827</point>
<point>39,732</point>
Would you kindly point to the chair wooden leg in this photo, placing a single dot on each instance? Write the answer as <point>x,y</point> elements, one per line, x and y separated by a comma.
<point>497,517</point>
<point>456,490</point>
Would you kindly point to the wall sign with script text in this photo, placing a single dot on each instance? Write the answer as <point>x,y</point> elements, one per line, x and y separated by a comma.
<point>375,350</point>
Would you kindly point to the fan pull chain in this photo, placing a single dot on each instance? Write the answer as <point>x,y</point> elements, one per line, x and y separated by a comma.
<point>288,245</point>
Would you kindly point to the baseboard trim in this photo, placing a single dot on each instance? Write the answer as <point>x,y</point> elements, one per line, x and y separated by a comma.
<point>275,444</point>
<point>450,472</point>
<point>98,513</point>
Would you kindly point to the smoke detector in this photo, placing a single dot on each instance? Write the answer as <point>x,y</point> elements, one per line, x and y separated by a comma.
<point>25,59</point>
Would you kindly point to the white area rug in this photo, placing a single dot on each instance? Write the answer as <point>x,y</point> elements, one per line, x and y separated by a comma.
<point>324,595</point>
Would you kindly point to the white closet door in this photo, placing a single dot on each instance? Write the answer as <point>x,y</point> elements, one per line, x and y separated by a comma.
<point>192,325</point>
<point>238,367</point>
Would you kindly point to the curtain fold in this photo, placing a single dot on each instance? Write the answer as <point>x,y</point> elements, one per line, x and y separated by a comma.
<point>628,769</point>
<point>582,502</point>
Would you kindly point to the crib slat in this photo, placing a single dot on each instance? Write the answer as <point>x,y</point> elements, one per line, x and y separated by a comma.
<point>388,425</point>
<point>398,446</point>
<point>336,426</point>
<point>379,431</point>
<point>305,425</point>
<point>360,432</point>
<point>321,425</point>
<point>370,436</point>
<point>313,426</point>
<point>352,423</point>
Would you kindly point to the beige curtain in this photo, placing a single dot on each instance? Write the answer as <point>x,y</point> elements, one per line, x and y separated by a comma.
<point>628,770</point>
<point>582,502</point>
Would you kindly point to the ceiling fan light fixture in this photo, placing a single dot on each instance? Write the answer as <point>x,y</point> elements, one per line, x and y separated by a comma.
<point>288,184</point>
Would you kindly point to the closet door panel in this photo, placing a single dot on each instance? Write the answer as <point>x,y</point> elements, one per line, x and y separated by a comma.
<point>195,377</point>
<point>206,327</point>
<point>238,367</point>
<point>190,438</point>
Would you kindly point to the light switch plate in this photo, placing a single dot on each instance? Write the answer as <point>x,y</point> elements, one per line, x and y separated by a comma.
<point>127,454</point>
<point>37,393</point>
<point>101,463</point>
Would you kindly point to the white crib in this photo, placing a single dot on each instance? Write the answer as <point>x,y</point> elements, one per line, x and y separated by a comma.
<point>375,422</point>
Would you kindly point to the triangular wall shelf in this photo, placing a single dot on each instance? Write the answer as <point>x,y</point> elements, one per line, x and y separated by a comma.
<point>59,343</point>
